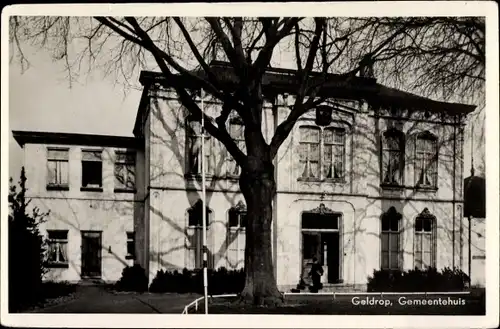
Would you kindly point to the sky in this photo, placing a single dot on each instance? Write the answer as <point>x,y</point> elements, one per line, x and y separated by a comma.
<point>41,99</point>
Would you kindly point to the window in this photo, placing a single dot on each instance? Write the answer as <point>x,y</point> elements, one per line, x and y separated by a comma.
<point>389,238</point>
<point>196,213</point>
<point>236,131</point>
<point>130,245</point>
<point>194,138</point>
<point>235,237</point>
<point>334,153</point>
<point>125,171</point>
<point>322,153</point>
<point>195,235</point>
<point>57,166</point>
<point>91,170</point>
<point>392,157</point>
<point>57,253</point>
<point>426,160</point>
<point>424,240</point>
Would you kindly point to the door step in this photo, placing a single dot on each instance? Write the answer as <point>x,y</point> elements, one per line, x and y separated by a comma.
<point>334,288</point>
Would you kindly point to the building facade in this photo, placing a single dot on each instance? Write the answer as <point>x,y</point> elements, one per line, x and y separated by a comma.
<point>380,185</point>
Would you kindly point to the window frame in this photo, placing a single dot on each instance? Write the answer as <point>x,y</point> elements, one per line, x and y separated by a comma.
<point>391,214</point>
<point>321,161</point>
<point>125,165</point>
<point>59,242</point>
<point>419,158</point>
<point>57,186</point>
<point>197,207</point>
<point>191,136</point>
<point>386,151</point>
<point>240,142</point>
<point>236,233</point>
<point>425,215</point>
<point>194,252</point>
<point>92,188</point>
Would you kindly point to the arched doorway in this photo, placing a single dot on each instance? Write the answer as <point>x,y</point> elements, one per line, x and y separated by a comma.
<point>321,238</point>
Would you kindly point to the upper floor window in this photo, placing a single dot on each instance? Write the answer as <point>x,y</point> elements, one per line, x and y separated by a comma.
<point>57,252</point>
<point>426,156</point>
<point>322,152</point>
<point>92,169</point>
<point>236,131</point>
<point>425,249</point>
<point>389,238</point>
<point>57,168</point>
<point>125,171</point>
<point>194,149</point>
<point>392,157</point>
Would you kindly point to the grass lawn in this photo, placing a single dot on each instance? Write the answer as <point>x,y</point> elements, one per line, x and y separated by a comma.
<point>473,304</point>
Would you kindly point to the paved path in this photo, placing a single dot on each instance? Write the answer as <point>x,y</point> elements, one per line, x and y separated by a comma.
<point>95,299</point>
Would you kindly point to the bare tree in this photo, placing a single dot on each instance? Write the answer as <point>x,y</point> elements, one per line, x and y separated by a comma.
<point>183,47</point>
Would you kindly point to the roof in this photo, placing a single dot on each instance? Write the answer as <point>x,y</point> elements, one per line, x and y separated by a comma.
<point>38,137</point>
<point>475,197</point>
<point>277,80</point>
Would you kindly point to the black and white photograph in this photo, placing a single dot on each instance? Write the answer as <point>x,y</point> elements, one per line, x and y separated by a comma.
<point>334,161</point>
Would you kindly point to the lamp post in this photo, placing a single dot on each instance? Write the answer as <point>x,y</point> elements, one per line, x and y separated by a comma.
<point>204,209</point>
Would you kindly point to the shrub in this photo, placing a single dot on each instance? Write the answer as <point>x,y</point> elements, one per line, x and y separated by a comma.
<point>220,281</point>
<point>26,250</point>
<point>133,279</point>
<point>417,280</point>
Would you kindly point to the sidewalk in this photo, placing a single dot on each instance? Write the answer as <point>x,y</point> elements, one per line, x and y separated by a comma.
<point>95,299</point>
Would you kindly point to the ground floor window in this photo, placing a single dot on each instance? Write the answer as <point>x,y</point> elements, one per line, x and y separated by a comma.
<point>57,248</point>
<point>425,246</point>
<point>235,236</point>
<point>390,240</point>
<point>194,243</point>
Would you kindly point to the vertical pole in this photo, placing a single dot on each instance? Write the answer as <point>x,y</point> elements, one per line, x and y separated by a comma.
<point>469,255</point>
<point>204,209</point>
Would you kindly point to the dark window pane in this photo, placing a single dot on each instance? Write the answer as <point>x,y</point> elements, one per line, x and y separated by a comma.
<point>58,234</point>
<point>195,215</point>
<point>233,218</point>
<point>318,221</point>
<point>394,224</point>
<point>385,223</point>
<point>243,219</point>
<point>427,225</point>
<point>418,225</point>
<point>193,219</point>
<point>91,173</point>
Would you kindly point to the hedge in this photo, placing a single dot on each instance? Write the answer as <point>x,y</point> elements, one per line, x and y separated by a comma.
<point>416,280</point>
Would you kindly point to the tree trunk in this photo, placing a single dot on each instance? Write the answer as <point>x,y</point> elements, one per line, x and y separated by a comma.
<point>258,186</point>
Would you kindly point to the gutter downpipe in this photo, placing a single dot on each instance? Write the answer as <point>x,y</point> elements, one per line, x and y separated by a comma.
<point>454,188</point>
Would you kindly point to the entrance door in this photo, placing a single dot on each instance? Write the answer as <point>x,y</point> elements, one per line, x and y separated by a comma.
<point>311,247</point>
<point>91,254</point>
<point>320,239</point>
<point>331,246</point>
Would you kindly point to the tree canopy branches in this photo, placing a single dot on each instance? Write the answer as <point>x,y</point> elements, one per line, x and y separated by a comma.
<point>445,55</point>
